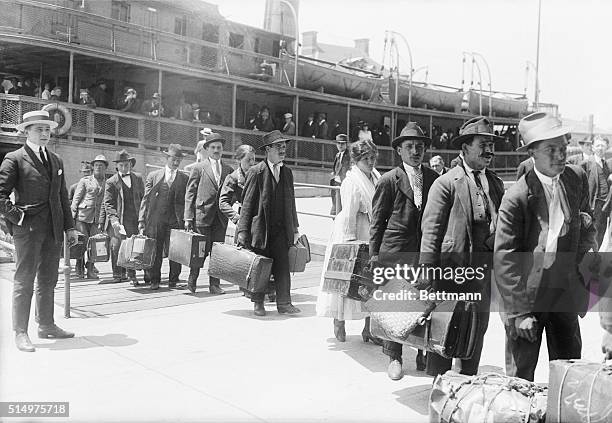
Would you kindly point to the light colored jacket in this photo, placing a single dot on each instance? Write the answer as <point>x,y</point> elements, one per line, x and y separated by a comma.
<point>87,200</point>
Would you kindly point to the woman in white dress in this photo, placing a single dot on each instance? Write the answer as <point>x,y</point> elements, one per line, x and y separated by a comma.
<point>351,224</point>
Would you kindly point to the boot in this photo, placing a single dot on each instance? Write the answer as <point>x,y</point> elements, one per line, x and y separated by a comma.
<point>339,330</point>
<point>367,336</point>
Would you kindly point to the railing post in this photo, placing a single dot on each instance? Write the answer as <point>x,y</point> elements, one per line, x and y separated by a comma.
<point>234,107</point>
<point>113,40</point>
<point>71,77</point>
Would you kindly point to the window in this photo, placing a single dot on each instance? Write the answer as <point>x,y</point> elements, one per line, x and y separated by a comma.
<point>210,33</point>
<point>180,25</point>
<point>120,11</point>
<point>236,40</point>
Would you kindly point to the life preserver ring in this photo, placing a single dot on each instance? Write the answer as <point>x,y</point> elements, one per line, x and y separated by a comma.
<point>61,115</point>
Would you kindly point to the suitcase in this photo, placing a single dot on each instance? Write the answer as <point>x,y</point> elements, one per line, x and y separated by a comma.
<point>187,248</point>
<point>98,248</point>
<point>579,391</point>
<point>299,255</point>
<point>137,253</point>
<point>347,273</point>
<point>78,249</point>
<point>240,266</point>
<point>488,397</point>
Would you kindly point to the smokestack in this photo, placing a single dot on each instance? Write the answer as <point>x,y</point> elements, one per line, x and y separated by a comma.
<point>363,45</point>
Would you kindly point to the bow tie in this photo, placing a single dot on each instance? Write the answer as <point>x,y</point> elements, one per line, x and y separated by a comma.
<point>125,175</point>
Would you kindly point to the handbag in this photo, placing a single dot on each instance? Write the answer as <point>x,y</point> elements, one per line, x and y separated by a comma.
<point>299,255</point>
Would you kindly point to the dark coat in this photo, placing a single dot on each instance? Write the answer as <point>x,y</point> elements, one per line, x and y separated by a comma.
<point>149,206</point>
<point>309,130</point>
<point>232,192</point>
<point>38,193</point>
<point>345,165</point>
<point>396,221</point>
<point>523,227</point>
<point>524,167</point>
<point>255,211</point>
<point>202,195</point>
<point>590,167</point>
<point>288,128</point>
<point>322,130</point>
<point>112,207</point>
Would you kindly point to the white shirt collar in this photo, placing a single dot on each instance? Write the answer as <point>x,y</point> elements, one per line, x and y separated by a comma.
<point>271,165</point>
<point>412,170</point>
<point>545,180</point>
<point>214,160</point>
<point>470,171</point>
<point>168,170</point>
<point>35,147</point>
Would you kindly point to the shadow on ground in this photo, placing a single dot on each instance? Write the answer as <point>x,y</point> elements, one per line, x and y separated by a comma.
<point>87,341</point>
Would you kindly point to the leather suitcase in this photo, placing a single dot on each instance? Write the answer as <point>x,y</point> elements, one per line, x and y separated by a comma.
<point>187,248</point>
<point>137,252</point>
<point>579,391</point>
<point>299,255</point>
<point>98,248</point>
<point>488,397</point>
<point>78,249</point>
<point>347,272</point>
<point>240,266</point>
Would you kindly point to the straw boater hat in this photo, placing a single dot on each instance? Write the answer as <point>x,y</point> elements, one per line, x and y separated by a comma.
<point>273,137</point>
<point>36,117</point>
<point>538,127</point>
<point>342,138</point>
<point>174,150</point>
<point>288,115</point>
<point>100,158</point>
<point>213,137</point>
<point>412,131</point>
<point>477,126</point>
<point>206,132</point>
<point>124,156</point>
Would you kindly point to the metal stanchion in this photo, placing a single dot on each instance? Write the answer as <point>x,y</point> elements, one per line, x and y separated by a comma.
<point>66,278</point>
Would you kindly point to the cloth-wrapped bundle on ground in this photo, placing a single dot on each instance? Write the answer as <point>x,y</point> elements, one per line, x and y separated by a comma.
<point>489,397</point>
<point>137,252</point>
<point>98,248</point>
<point>187,248</point>
<point>347,271</point>
<point>579,391</point>
<point>78,249</point>
<point>240,266</point>
<point>299,255</point>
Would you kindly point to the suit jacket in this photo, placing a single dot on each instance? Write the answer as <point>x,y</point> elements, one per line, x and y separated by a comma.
<point>255,211</point>
<point>309,130</point>
<point>231,192</point>
<point>113,204</point>
<point>448,216</point>
<point>150,206</point>
<point>288,129</point>
<point>590,167</point>
<point>523,228</point>
<point>524,167</point>
<point>202,195</point>
<point>345,165</point>
<point>87,200</point>
<point>396,221</point>
<point>38,193</point>
<point>322,130</point>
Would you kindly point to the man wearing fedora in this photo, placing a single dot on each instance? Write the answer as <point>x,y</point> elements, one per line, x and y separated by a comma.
<point>268,218</point>
<point>202,211</point>
<point>289,126</point>
<point>342,163</point>
<point>37,220</point>
<point>544,230</point>
<point>598,173</point>
<point>397,207</point>
<point>119,216</point>
<point>87,205</point>
<point>459,226</point>
<point>161,210</point>
<point>586,147</point>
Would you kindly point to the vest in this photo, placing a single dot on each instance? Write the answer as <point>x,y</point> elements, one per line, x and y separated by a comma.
<point>480,225</point>
<point>602,181</point>
<point>130,215</point>
<point>166,203</point>
<point>277,206</point>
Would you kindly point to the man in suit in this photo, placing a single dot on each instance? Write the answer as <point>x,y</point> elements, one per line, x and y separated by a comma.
<point>342,163</point>
<point>586,145</point>
<point>86,170</point>
<point>309,129</point>
<point>459,226</point>
<point>37,220</point>
<point>543,232</point>
<point>322,127</point>
<point>524,167</point>
<point>606,323</point>
<point>86,207</point>
<point>161,210</point>
<point>202,211</point>
<point>395,235</point>
<point>119,216</point>
<point>268,219</point>
<point>289,126</point>
<point>437,163</point>
<point>598,174</point>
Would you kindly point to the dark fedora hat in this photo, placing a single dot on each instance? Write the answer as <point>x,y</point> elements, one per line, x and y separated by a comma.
<point>273,137</point>
<point>174,150</point>
<point>213,137</point>
<point>412,131</point>
<point>124,156</point>
<point>476,126</point>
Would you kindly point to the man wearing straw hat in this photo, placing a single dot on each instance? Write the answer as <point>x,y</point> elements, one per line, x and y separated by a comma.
<point>342,163</point>
<point>289,126</point>
<point>544,230</point>
<point>161,210</point>
<point>199,151</point>
<point>37,219</point>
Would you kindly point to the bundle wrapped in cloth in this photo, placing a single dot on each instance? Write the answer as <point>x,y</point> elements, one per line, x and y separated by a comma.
<point>347,272</point>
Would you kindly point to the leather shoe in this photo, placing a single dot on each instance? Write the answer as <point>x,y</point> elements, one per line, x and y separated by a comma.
<point>53,331</point>
<point>91,275</point>
<point>154,285</point>
<point>216,290</point>
<point>394,371</point>
<point>259,309</point>
<point>172,284</point>
<point>191,285</point>
<point>288,309</point>
<point>23,343</point>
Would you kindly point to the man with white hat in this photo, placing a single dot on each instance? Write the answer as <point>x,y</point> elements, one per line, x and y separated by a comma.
<point>289,126</point>
<point>199,150</point>
<point>544,230</point>
<point>342,163</point>
<point>37,219</point>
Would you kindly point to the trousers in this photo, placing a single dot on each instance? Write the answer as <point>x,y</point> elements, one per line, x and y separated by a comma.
<point>277,250</point>
<point>215,233</point>
<point>162,243</point>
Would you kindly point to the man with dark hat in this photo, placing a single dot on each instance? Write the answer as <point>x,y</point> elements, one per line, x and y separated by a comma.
<point>342,163</point>
<point>459,227</point>
<point>86,207</point>
<point>397,208</point>
<point>586,145</point>
<point>268,219</point>
<point>202,211</point>
<point>161,210</point>
<point>119,216</point>
<point>37,219</point>
<point>544,230</point>
<point>598,173</point>
<point>101,97</point>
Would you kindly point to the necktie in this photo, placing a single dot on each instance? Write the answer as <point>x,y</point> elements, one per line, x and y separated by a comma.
<point>171,178</point>
<point>418,189</point>
<point>482,193</point>
<point>555,224</point>
<point>218,170</point>
<point>276,171</point>
<point>43,159</point>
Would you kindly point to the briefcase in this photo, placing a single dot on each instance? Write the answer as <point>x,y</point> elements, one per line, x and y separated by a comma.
<point>187,248</point>
<point>98,248</point>
<point>579,391</point>
<point>137,252</point>
<point>299,255</point>
<point>240,266</point>
<point>488,397</point>
<point>78,249</point>
<point>347,271</point>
